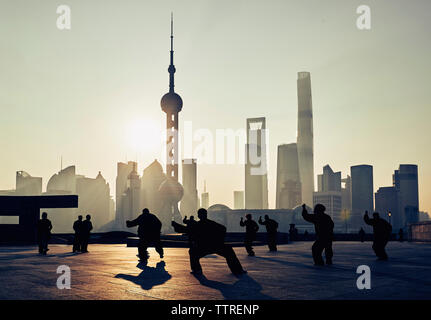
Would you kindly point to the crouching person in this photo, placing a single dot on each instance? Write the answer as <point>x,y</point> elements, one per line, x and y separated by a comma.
<point>208,238</point>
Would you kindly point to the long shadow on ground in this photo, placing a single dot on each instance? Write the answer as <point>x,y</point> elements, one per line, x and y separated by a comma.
<point>245,288</point>
<point>149,277</point>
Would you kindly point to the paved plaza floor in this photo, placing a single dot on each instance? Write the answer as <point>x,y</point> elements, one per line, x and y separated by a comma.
<point>112,272</point>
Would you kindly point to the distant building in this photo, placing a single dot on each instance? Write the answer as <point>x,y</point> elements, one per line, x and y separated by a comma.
<point>26,185</point>
<point>387,205</point>
<point>131,206</point>
<point>305,136</point>
<point>205,200</point>
<point>329,194</point>
<point>238,199</point>
<point>288,191</point>
<point>123,172</point>
<point>205,197</point>
<point>346,194</point>
<point>152,178</point>
<point>405,181</point>
<point>362,194</point>
<point>423,216</point>
<point>256,175</point>
<point>188,205</point>
<point>93,198</point>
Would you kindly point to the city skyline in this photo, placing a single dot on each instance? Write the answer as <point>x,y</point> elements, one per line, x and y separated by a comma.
<point>81,142</point>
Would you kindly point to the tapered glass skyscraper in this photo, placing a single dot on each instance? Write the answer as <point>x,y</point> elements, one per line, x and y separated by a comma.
<point>305,137</point>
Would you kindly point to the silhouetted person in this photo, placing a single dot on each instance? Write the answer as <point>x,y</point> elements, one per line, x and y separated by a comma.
<point>362,235</point>
<point>77,227</point>
<point>293,232</point>
<point>149,227</point>
<point>86,227</point>
<point>208,238</point>
<point>306,235</point>
<point>189,222</point>
<point>382,231</point>
<point>401,235</point>
<point>251,229</point>
<point>271,232</point>
<point>44,227</point>
<point>324,227</point>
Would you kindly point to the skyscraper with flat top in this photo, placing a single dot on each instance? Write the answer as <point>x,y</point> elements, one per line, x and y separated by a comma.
<point>189,202</point>
<point>362,193</point>
<point>405,181</point>
<point>305,137</point>
<point>288,193</point>
<point>329,194</point>
<point>238,199</point>
<point>256,175</point>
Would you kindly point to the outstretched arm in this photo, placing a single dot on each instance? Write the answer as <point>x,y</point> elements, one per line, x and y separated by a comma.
<point>367,219</point>
<point>179,227</point>
<point>132,223</point>
<point>307,217</point>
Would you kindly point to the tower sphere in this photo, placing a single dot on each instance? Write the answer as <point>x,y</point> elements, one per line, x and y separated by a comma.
<point>171,190</point>
<point>171,103</point>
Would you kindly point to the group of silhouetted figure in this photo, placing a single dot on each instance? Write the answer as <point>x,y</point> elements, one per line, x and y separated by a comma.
<point>251,229</point>
<point>82,233</point>
<point>208,237</point>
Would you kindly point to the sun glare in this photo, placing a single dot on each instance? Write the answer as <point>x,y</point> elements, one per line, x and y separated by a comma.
<point>143,135</point>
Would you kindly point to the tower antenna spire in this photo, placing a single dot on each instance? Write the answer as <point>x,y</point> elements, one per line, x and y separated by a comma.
<point>172,31</point>
<point>171,68</point>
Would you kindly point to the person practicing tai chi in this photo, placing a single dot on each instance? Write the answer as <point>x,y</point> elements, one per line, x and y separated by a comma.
<point>149,227</point>
<point>77,227</point>
<point>251,229</point>
<point>208,238</point>
<point>382,232</point>
<point>44,228</point>
<point>324,227</point>
<point>271,232</point>
<point>189,222</point>
<point>86,228</point>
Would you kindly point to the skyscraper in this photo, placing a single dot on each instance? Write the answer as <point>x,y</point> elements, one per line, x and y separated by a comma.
<point>387,202</point>
<point>131,199</point>
<point>288,193</point>
<point>205,197</point>
<point>305,136</point>
<point>256,175</point>
<point>362,193</point>
<point>189,201</point>
<point>238,200</point>
<point>123,171</point>
<point>27,185</point>
<point>405,181</point>
<point>329,194</point>
<point>94,198</point>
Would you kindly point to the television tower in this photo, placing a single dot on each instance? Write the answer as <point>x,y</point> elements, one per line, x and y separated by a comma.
<point>172,104</point>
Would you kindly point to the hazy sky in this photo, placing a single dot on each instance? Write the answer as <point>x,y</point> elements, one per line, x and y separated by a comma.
<point>83,93</point>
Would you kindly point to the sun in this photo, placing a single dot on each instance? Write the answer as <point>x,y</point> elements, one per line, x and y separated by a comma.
<point>143,135</point>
